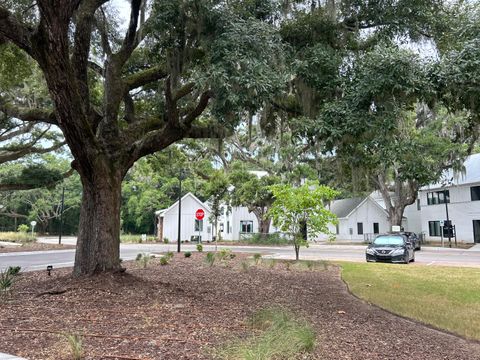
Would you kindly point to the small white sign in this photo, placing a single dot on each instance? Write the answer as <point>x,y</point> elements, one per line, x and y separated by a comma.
<point>144,237</point>
<point>396,228</point>
<point>441,223</point>
<point>33,223</point>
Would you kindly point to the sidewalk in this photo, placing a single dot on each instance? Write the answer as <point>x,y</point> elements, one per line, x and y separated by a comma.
<point>9,357</point>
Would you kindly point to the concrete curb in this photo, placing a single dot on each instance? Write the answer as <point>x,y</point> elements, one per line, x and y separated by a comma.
<point>10,357</point>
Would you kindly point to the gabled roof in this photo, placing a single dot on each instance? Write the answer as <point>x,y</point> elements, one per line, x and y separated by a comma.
<point>163,211</point>
<point>471,174</point>
<point>344,207</point>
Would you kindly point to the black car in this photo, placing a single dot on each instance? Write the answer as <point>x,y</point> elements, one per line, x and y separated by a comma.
<point>414,239</point>
<point>395,248</point>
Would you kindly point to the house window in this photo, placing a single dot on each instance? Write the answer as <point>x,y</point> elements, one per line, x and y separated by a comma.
<point>246,226</point>
<point>434,228</point>
<point>376,228</point>
<point>438,197</point>
<point>198,225</point>
<point>360,228</point>
<point>418,205</point>
<point>228,227</point>
<point>475,193</point>
<point>337,229</point>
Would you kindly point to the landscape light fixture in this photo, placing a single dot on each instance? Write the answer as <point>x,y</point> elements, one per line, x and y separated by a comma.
<point>49,270</point>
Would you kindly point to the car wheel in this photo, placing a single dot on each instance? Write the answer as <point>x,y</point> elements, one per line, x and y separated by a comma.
<point>413,258</point>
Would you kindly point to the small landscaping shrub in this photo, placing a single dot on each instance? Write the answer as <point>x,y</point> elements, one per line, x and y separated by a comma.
<point>169,255</point>
<point>266,239</point>
<point>164,260</point>
<point>245,265</point>
<point>224,254</point>
<point>14,270</point>
<point>210,258</point>
<point>76,346</point>
<point>165,240</point>
<point>232,256</point>
<point>199,247</point>
<point>257,258</point>
<point>187,254</point>
<point>6,281</point>
<point>143,259</point>
<point>23,228</point>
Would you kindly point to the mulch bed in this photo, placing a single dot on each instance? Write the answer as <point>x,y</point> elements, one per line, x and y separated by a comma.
<point>34,247</point>
<point>184,309</point>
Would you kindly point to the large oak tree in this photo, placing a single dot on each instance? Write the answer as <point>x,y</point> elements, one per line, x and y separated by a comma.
<point>119,98</point>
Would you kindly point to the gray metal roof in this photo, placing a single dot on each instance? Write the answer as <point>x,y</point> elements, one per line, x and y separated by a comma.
<point>343,207</point>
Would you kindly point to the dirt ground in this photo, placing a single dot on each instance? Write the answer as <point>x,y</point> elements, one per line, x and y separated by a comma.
<point>34,247</point>
<point>184,309</point>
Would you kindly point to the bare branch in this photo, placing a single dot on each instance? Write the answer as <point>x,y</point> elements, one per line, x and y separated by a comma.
<point>21,130</point>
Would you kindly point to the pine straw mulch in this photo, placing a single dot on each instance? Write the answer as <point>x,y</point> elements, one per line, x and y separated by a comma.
<point>34,247</point>
<point>184,309</point>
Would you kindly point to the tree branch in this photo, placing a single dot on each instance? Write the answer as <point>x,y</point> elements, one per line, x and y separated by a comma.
<point>22,130</point>
<point>14,31</point>
<point>96,68</point>
<point>10,155</point>
<point>129,42</point>
<point>201,106</point>
<point>207,132</point>
<point>145,77</point>
<point>27,114</point>
<point>13,187</point>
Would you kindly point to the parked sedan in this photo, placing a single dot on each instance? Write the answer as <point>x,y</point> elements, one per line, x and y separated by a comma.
<point>395,248</point>
<point>414,239</point>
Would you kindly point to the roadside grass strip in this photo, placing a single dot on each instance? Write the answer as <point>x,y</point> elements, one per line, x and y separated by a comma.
<point>17,237</point>
<point>277,335</point>
<point>445,297</point>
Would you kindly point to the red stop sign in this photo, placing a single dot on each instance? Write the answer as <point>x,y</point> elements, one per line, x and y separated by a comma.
<point>199,214</point>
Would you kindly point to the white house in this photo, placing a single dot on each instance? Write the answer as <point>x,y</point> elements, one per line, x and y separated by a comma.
<point>167,220</point>
<point>361,218</point>
<point>233,223</point>
<point>461,193</point>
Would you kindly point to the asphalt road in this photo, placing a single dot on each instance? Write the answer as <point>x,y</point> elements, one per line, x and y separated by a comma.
<point>39,260</point>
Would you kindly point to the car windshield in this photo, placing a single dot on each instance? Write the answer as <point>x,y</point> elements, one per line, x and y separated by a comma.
<point>389,240</point>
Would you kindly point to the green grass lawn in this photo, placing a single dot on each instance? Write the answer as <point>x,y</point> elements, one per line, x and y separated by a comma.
<point>445,297</point>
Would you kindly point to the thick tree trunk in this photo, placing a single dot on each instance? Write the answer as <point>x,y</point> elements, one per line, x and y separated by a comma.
<point>98,243</point>
<point>264,225</point>
<point>396,215</point>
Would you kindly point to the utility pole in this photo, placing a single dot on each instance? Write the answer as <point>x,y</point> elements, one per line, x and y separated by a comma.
<point>179,210</point>
<point>448,225</point>
<point>61,216</point>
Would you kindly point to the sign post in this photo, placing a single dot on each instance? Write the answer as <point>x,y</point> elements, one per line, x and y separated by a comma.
<point>199,215</point>
<point>33,223</point>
